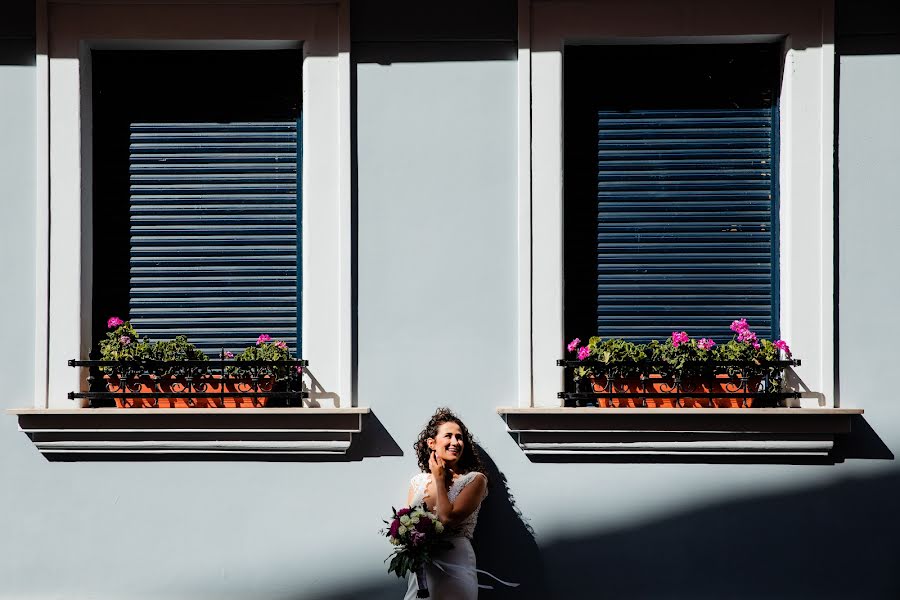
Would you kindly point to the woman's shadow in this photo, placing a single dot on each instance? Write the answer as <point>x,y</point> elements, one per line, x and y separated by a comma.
<point>504,542</point>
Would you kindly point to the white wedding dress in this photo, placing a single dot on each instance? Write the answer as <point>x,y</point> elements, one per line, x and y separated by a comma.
<point>453,576</point>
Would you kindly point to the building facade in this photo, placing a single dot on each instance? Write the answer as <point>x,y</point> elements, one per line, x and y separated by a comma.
<point>419,177</point>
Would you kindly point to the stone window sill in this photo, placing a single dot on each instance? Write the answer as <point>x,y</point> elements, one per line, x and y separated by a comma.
<point>195,433</point>
<point>679,434</point>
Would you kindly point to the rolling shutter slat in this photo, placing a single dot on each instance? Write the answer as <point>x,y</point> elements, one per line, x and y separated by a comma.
<point>214,232</point>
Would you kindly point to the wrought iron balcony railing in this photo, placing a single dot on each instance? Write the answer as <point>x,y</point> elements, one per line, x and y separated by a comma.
<point>193,383</point>
<point>656,384</point>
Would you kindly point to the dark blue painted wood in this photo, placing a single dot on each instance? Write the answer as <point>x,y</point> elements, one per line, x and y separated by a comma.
<point>213,225</point>
<point>685,209</point>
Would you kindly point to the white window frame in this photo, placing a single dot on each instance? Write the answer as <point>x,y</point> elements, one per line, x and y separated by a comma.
<point>806,163</point>
<point>67,32</point>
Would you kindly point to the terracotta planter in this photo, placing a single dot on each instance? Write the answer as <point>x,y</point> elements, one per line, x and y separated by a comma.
<point>139,385</point>
<point>656,383</point>
<point>730,387</point>
<point>146,384</point>
<point>241,386</point>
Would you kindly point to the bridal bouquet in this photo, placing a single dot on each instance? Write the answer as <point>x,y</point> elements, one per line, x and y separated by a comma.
<point>416,535</point>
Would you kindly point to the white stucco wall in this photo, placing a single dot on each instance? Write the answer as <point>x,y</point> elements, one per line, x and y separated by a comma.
<point>436,281</point>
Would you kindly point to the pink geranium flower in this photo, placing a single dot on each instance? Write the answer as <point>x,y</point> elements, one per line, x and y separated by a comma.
<point>782,345</point>
<point>739,325</point>
<point>706,344</point>
<point>680,337</point>
<point>747,336</point>
<point>114,322</point>
<point>124,340</point>
<point>583,352</point>
<point>229,354</point>
<point>262,339</point>
<point>573,344</point>
<point>281,345</point>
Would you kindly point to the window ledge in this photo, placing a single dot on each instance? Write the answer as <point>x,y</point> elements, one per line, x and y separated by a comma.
<point>678,434</point>
<point>221,433</point>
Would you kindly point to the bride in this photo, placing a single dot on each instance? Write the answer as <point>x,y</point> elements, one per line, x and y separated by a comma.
<point>452,485</point>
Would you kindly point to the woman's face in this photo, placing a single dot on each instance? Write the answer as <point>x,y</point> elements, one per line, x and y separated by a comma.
<point>448,443</point>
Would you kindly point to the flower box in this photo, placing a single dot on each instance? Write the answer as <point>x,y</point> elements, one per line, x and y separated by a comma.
<point>680,372</point>
<point>138,373</point>
<point>719,390</point>
<point>169,391</point>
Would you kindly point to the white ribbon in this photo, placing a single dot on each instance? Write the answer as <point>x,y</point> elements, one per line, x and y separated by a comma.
<point>448,568</point>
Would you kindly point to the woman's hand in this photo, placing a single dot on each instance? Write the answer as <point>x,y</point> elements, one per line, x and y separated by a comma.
<point>436,466</point>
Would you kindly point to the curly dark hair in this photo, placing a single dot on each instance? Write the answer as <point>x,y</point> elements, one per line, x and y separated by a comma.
<point>470,459</point>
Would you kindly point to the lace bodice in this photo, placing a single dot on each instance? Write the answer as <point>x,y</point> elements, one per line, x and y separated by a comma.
<point>420,482</point>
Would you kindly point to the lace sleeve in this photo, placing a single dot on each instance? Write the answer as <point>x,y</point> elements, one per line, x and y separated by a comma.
<point>417,483</point>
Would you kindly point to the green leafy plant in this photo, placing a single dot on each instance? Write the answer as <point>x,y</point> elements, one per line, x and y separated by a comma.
<point>684,356</point>
<point>123,343</point>
<point>173,351</point>
<point>265,349</point>
<point>754,359</point>
<point>621,355</point>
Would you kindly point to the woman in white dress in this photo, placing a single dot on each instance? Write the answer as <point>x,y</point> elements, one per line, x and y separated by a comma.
<point>452,485</point>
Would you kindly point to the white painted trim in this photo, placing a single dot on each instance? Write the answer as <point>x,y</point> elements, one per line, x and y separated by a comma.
<point>816,446</point>
<point>323,31</point>
<point>523,224</point>
<point>807,112</point>
<point>137,413</point>
<point>547,235</point>
<point>744,432</point>
<point>827,252</point>
<point>65,229</point>
<point>345,219</point>
<point>201,2</point>
<point>272,431</point>
<point>42,205</point>
<point>652,413</point>
<point>195,447</point>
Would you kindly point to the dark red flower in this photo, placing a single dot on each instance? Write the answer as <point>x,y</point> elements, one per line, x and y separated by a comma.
<point>395,528</point>
<point>403,511</point>
<point>424,525</point>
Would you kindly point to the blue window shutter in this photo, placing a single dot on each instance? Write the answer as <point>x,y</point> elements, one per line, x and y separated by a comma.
<point>683,224</point>
<point>213,225</point>
<point>684,221</point>
<point>196,194</point>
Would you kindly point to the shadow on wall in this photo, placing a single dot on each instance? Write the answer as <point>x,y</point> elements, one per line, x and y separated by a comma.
<point>504,542</point>
<point>17,52</point>
<point>373,441</point>
<point>837,541</point>
<point>840,541</point>
<point>861,442</point>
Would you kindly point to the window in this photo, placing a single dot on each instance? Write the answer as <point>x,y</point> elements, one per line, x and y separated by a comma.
<point>196,194</point>
<point>670,190</point>
<point>73,170</point>
<point>650,35</point>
